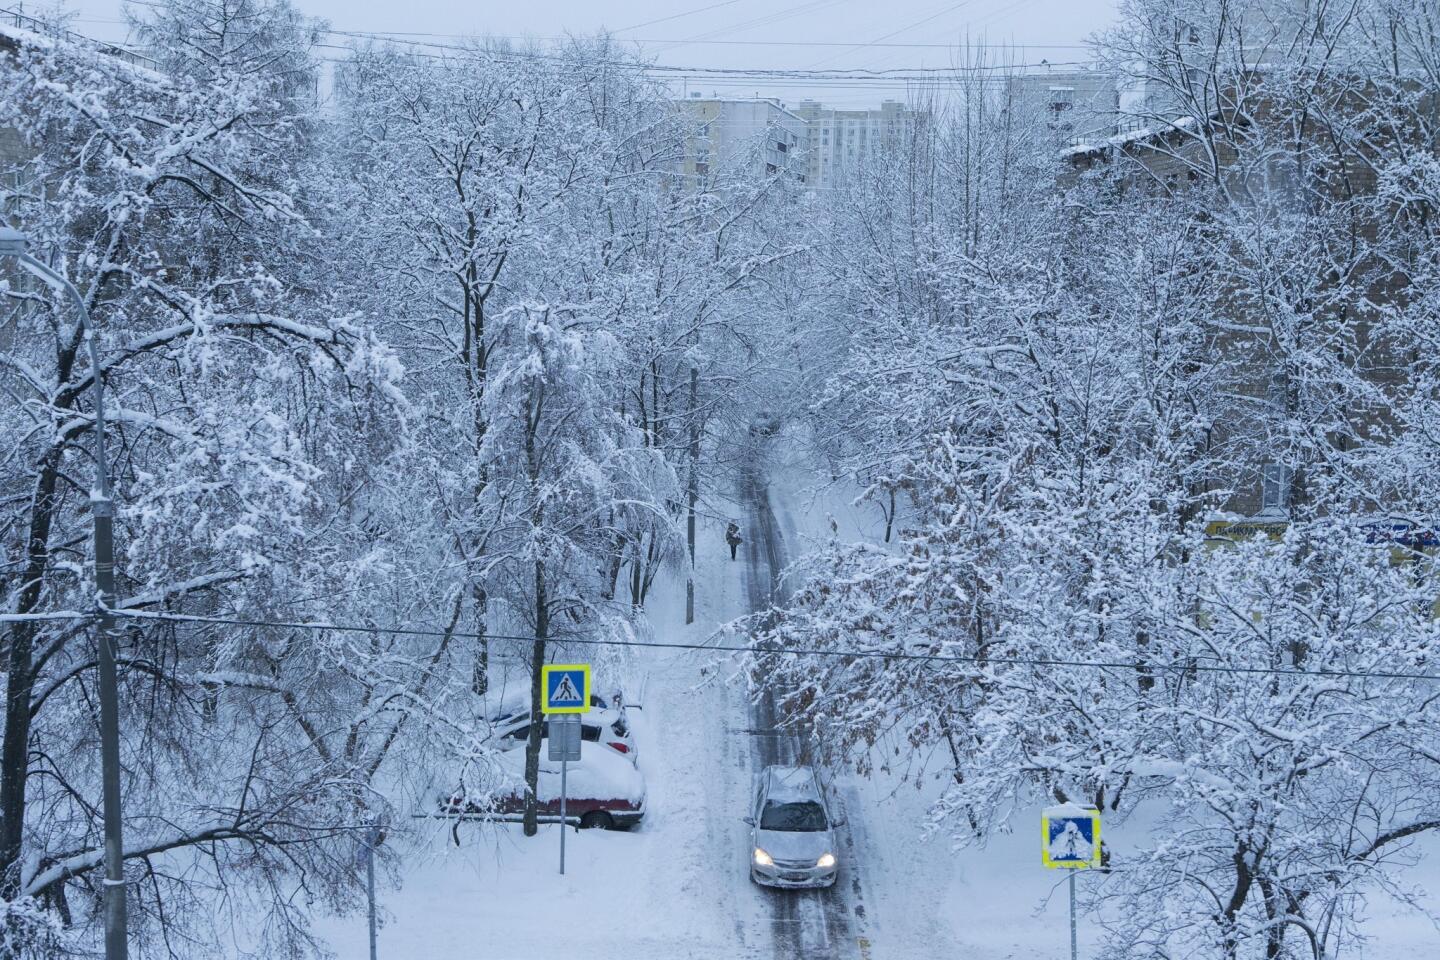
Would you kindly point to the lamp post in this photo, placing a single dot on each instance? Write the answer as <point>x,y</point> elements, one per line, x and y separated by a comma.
<point>13,243</point>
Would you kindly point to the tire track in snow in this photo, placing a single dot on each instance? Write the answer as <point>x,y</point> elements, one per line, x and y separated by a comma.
<point>805,924</point>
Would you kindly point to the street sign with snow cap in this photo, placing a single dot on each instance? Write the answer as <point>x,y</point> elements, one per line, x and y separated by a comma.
<point>1070,837</point>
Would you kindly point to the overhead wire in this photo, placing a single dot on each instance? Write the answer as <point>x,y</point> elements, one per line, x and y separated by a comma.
<point>776,16</point>
<point>678,16</point>
<point>905,29</point>
<point>475,53</point>
<point>1189,667</point>
<point>848,44</point>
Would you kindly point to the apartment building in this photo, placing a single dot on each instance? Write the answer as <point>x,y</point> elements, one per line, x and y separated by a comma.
<point>1176,155</point>
<point>16,28</point>
<point>733,136</point>
<point>840,140</point>
<point>1077,105</point>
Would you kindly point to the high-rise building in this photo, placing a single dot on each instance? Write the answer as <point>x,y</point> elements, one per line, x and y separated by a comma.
<point>841,139</point>
<point>734,135</point>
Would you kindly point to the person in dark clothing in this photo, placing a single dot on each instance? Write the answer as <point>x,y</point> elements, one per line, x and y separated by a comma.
<point>732,537</point>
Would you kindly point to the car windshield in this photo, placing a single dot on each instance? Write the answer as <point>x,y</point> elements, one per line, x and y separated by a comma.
<point>800,816</point>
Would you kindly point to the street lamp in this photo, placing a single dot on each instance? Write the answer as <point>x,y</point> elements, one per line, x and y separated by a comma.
<point>13,243</point>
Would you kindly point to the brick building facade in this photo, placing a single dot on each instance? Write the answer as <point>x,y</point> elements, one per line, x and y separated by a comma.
<point>1189,154</point>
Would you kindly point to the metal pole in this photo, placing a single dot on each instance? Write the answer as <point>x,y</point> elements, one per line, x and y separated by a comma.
<point>370,838</point>
<point>693,492</point>
<point>1074,949</point>
<point>564,769</point>
<point>102,514</point>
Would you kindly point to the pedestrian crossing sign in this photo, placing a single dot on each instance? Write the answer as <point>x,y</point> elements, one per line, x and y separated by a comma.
<point>566,687</point>
<point>1070,837</point>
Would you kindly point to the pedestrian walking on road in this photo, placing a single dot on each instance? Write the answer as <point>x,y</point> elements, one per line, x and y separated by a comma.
<point>732,537</point>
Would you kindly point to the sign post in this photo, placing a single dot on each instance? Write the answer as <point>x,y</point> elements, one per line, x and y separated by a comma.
<point>365,856</point>
<point>567,695</point>
<point>564,742</point>
<point>1070,840</point>
<point>372,837</point>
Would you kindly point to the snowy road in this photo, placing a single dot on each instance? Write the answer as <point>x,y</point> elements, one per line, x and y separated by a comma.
<point>804,923</point>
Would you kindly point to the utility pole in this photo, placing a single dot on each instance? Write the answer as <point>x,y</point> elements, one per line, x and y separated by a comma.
<point>13,243</point>
<point>694,490</point>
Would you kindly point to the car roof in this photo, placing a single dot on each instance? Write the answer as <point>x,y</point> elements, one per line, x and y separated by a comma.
<point>598,718</point>
<point>791,783</point>
<point>513,704</point>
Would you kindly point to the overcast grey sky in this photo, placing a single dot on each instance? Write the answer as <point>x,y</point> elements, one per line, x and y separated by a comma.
<point>839,34</point>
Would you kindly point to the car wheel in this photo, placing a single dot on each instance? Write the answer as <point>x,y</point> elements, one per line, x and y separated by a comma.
<point>597,820</point>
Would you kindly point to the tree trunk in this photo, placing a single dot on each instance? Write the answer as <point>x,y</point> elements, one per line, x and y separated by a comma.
<point>637,571</point>
<point>617,560</point>
<point>15,755</point>
<point>532,743</point>
<point>1244,878</point>
<point>480,678</point>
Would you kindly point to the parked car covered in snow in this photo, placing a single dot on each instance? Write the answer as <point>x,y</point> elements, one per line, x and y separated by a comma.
<point>603,726</point>
<point>603,790</point>
<point>791,831</point>
<point>508,716</point>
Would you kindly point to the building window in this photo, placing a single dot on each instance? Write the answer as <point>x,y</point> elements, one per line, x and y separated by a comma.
<point>1276,480</point>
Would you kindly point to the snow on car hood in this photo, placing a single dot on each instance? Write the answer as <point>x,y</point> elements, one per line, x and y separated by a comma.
<point>600,774</point>
<point>795,844</point>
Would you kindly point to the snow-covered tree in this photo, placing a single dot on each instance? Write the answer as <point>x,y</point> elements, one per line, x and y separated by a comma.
<point>251,418</point>
<point>1065,383</point>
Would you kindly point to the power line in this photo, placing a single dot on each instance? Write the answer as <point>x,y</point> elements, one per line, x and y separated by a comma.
<point>678,16</point>
<point>763,651</point>
<point>908,27</point>
<point>852,44</point>
<point>478,53</point>
<point>810,6</point>
<point>741,83</point>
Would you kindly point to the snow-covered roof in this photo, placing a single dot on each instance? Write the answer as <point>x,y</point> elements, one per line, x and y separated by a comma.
<point>765,101</point>
<point>1127,137</point>
<point>42,37</point>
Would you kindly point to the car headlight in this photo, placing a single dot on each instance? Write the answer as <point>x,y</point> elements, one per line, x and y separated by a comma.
<point>763,859</point>
<point>828,860</point>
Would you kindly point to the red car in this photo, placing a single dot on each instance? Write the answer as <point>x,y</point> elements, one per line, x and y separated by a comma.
<point>603,790</point>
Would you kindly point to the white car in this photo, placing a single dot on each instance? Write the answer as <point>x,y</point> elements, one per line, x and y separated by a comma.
<point>792,835</point>
<point>604,726</point>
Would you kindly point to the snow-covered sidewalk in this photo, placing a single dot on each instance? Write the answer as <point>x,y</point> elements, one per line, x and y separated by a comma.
<point>676,887</point>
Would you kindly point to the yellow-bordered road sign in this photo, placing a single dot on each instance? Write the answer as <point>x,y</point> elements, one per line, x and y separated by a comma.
<point>1070,837</point>
<point>565,688</point>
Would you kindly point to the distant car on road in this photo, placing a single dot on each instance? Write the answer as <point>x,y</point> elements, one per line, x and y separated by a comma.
<point>792,835</point>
